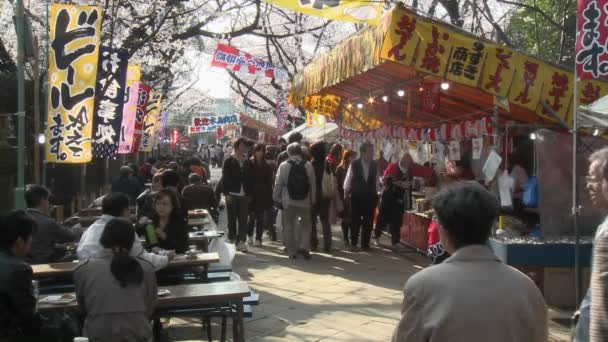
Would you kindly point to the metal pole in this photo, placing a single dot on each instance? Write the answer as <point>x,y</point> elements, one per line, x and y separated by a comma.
<point>576,210</point>
<point>46,93</point>
<point>19,190</point>
<point>36,112</point>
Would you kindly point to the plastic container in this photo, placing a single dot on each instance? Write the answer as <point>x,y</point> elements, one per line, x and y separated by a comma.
<point>151,234</point>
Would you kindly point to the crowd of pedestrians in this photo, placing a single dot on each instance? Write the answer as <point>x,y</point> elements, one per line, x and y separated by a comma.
<point>470,296</point>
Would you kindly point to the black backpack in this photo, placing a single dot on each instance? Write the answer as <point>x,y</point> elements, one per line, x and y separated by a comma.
<point>297,181</point>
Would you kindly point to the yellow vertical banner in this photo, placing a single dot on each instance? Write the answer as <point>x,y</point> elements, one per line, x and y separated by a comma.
<point>498,71</point>
<point>401,39</point>
<point>154,107</point>
<point>467,58</point>
<point>557,93</point>
<point>527,82</point>
<point>434,50</point>
<point>133,74</point>
<point>73,58</point>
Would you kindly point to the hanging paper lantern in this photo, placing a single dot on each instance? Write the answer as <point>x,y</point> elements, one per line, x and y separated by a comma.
<point>487,126</point>
<point>443,132</point>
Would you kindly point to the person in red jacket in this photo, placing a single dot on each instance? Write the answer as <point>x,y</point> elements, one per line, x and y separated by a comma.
<point>396,196</point>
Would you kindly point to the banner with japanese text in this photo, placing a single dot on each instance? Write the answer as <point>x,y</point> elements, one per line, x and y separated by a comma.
<point>215,120</point>
<point>557,93</point>
<point>499,71</point>
<point>402,38</point>
<point>175,137</point>
<point>591,91</point>
<point>143,97</point>
<point>111,84</point>
<point>230,57</point>
<point>127,128</point>
<point>153,109</point>
<point>527,82</point>
<point>434,49</point>
<point>467,58</point>
<point>364,11</point>
<point>430,97</point>
<point>591,49</point>
<point>73,60</point>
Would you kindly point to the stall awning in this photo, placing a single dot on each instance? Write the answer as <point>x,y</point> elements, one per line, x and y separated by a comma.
<point>595,114</point>
<point>327,132</point>
<point>258,125</point>
<point>412,53</point>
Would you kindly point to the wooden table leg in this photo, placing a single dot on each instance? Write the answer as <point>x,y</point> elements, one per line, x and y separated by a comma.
<point>239,322</point>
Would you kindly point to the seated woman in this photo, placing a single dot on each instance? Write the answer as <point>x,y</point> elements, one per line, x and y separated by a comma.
<point>116,291</point>
<point>170,229</point>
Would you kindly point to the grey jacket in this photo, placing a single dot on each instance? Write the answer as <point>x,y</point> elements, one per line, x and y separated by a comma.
<point>472,296</point>
<point>46,236</point>
<point>281,194</point>
<point>113,313</point>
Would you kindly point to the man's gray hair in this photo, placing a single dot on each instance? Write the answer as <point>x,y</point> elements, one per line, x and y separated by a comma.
<point>294,149</point>
<point>601,156</point>
<point>365,147</point>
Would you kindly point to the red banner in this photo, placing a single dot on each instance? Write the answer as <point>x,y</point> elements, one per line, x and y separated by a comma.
<point>175,136</point>
<point>230,57</point>
<point>430,97</point>
<point>143,96</point>
<point>591,50</point>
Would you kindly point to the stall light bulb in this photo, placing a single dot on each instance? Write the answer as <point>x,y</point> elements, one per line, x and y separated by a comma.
<point>349,106</point>
<point>401,93</point>
<point>596,132</point>
<point>371,99</point>
<point>41,138</point>
<point>445,85</point>
<point>533,136</point>
<point>359,105</point>
<point>421,89</point>
<point>385,98</point>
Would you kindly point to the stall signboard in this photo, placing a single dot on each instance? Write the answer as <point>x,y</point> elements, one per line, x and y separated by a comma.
<point>591,50</point>
<point>467,58</point>
<point>557,93</point>
<point>111,84</point>
<point>175,137</point>
<point>363,11</point>
<point>153,109</point>
<point>127,127</point>
<point>435,48</point>
<point>143,97</point>
<point>499,71</point>
<point>527,83</point>
<point>402,39</point>
<point>230,57</point>
<point>215,120</point>
<point>430,97</point>
<point>590,91</point>
<point>73,60</point>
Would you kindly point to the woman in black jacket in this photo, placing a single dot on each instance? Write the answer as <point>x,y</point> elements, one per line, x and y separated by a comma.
<point>168,230</point>
<point>261,196</point>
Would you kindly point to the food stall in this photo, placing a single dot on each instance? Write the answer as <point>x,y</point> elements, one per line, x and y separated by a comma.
<point>258,131</point>
<point>450,98</point>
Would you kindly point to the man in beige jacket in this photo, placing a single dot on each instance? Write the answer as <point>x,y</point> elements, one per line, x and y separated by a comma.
<point>472,296</point>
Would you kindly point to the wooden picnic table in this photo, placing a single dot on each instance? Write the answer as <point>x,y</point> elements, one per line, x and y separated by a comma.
<point>62,269</point>
<point>191,297</point>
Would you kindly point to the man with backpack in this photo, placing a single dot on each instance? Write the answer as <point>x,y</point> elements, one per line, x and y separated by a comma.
<point>294,193</point>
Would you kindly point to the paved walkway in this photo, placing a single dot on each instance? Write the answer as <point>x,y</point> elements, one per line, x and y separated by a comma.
<point>345,296</point>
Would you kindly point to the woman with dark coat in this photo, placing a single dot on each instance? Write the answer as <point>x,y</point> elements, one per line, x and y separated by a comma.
<point>348,156</point>
<point>321,204</point>
<point>261,196</point>
<point>170,230</point>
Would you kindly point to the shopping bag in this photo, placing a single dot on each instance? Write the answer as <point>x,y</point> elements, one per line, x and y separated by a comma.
<point>225,250</point>
<point>530,198</point>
